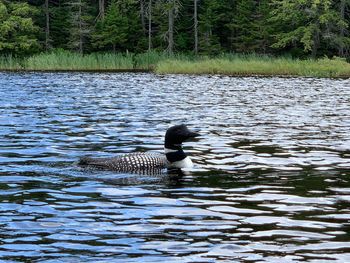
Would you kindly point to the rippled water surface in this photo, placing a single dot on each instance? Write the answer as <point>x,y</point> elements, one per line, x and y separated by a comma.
<point>271,182</point>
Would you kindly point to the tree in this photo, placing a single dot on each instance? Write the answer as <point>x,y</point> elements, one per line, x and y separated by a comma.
<point>208,21</point>
<point>142,15</point>
<point>113,30</point>
<point>297,27</point>
<point>304,22</point>
<point>60,24</point>
<point>17,29</point>
<point>164,15</point>
<point>263,29</point>
<point>81,25</point>
<point>195,17</point>
<point>342,40</point>
<point>47,27</point>
<point>250,30</point>
<point>342,6</point>
<point>149,25</point>
<point>170,33</point>
<point>101,8</point>
<point>243,25</point>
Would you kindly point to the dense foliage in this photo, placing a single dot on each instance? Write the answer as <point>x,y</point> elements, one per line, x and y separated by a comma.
<point>299,28</point>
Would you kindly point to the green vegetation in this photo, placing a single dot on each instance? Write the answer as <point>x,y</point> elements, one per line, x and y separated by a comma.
<point>162,63</point>
<point>10,63</point>
<point>263,66</point>
<point>289,37</point>
<point>297,28</point>
<point>64,60</point>
<point>17,29</point>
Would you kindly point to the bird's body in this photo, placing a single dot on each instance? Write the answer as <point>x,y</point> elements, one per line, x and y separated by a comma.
<point>129,161</point>
<point>173,157</point>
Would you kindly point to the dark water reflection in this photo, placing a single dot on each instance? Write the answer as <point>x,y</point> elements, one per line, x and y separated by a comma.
<point>271,182</point>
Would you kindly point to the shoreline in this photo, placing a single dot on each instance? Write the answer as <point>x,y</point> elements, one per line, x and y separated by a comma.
<point>234,75</point>
<point>235,65</point>
<point>77,70</point>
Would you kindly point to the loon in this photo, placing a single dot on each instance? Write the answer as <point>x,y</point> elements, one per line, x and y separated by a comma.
<point>173,158</point>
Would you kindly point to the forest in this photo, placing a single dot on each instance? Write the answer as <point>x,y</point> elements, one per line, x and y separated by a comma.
<point>294,28</point>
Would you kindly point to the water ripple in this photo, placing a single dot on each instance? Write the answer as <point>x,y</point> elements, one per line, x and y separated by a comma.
<point>271,182</point>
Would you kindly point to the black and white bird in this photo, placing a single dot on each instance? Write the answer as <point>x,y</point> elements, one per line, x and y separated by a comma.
<point>173,157</point>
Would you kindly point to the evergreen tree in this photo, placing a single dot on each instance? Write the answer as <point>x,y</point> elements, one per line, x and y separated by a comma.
<point>17,30</point>
<point>339,36</point>
<point>250,27</point>
<point>47,25</point>
<point>165,24</point>
<point>112,31</point>
<point>149,13</point>
<point>243,26</point>
<point>208,20</point>
<point>173,7</point>
<point>195,18</point>
<point>304,22</point>
<point>159,25</point>
<point>184,28</point>
<point>136,37</point>
<point>81,23</point>
<point>297,27</point>
<point>60,25</point>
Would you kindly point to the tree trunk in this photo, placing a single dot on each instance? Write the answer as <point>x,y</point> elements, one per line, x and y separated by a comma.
<point>47,27</point>
<point>80,28</point>
<point>316,42</point>
<point>195,27</point>
<point>171,29</point>
<point>101,8</point>
<point>341,51</point>
<point>150,25</point>
<point>142,13</point>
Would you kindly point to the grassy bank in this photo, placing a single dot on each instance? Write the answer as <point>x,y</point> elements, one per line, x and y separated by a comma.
<point>9,63</point>
<point>161,63</point>
<point>69,61</point>
<point>253,65</point>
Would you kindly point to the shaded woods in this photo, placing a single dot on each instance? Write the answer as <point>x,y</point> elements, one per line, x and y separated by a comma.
<point>313,28</point>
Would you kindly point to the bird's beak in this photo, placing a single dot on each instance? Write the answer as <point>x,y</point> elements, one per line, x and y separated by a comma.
<point>193,134</point>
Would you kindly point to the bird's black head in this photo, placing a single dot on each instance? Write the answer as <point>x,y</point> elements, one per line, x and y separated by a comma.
<point>176,135</point>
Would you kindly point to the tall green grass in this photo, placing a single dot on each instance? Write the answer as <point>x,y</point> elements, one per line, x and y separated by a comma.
<point>150,60</point>
<point>256,65</point>
<point>162,63</point>
<point>64,60</point>
<point>10,63</point>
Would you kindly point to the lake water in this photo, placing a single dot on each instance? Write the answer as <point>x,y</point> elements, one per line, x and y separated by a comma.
<point>271,182</point>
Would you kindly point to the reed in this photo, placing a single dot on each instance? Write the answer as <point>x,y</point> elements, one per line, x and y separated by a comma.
<point>257,65</point>
<point>150,60</point>
<point>162,63</point>
<point>64,60</point>
<point>8,62</point>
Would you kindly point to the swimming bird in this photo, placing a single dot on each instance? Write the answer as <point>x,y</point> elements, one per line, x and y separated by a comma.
<point>173,157</point>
